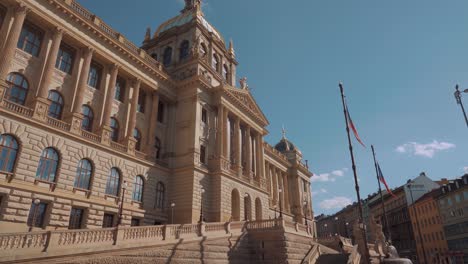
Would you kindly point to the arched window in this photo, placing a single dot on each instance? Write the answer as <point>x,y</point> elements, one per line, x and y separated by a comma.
<point>56,105</point>
<point>184,50</point>
<point>203,50</point>
<point>138,189</point>
<point>8,152</point>
<point>167,57</point>
<point>137,136</point>
<point>113,182</point>
<point>84,172</point>
<point>48,165</point>
<point>114,125</point>
<point>17,88</point>
<point>157,146</point>
<point>225,72</point>
<point>160,193</point>
<point>215,62</point>
<point>88,117</point>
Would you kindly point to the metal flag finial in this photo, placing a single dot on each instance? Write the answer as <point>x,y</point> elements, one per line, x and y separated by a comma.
<point>283,131</point>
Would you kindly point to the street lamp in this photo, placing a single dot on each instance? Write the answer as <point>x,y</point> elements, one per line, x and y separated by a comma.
<point>202,191</point>
<point>459,101</point>
<point>281,207</point>
<point>347,232</point>
<point>325,227</point>
<point>417,222</point>
<point>124,188</point>
<point>36,208</point>
<point>172,213</point>
<point>336,225</point>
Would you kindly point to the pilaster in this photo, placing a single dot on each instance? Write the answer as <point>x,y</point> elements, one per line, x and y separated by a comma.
<point>131,141</point>
<point>238,146</point>
<point>151,138</point>
<point>114,71</point>
<point>248,154</point>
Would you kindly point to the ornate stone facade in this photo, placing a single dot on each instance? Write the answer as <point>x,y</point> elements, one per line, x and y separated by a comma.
<point>168,113</point>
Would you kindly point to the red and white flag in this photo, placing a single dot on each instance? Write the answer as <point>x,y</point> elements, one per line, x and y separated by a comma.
<point>352,126</point>
<point>382,180</point>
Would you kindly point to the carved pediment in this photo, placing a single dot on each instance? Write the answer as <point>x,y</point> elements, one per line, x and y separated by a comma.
<point>246,100</point>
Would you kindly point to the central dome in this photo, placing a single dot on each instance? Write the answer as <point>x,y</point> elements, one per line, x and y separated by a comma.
<point>285,145</point>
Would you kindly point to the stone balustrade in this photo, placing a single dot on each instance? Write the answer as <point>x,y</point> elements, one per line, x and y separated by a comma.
<point>30,245</point>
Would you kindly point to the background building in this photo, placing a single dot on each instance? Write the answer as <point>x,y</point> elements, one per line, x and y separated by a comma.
<point>96,131</point>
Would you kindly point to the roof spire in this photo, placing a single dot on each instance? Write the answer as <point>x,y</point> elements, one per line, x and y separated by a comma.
<point>231,48</point>
<point>148,34</point>
<point>283,131</point>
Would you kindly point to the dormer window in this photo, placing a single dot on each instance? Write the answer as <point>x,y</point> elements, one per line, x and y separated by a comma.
<point>215,62</point>
<point>167,57</point>
<point>184,50</point>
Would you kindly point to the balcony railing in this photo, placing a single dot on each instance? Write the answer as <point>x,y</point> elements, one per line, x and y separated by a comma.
<point>91,136</point>
<point>58,124</point>
<point>118,146</point>
<point>19,109</point>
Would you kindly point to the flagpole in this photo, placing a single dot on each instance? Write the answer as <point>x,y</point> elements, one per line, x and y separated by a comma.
<point>361,219</point>
<point>389,234</point>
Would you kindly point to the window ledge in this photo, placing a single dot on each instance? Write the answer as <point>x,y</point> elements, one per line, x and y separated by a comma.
<point>111,198</point>
<point>7,176</point>
<point>46,184</point>
<point>83,192</point>
<point>137,204</point>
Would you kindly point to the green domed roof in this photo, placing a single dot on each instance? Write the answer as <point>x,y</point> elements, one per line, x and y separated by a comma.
<point>285,145</point>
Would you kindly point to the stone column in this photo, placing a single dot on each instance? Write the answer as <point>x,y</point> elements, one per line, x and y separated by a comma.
<point>42,103</point>
<point>131,141</point>
<point>220,134</point>
<point>238,147</point>
<point>105,127</point>
<point>9,16</point>
<point>151,138</point>
<point>226,133</point>
<point>248,154</point>
<point>275,187</point>
<point>260,157</point>
<point>280,186</point>
<point>253,150</point>
<point>77,116</point>
<point>8,53</point>
<point>10,43</point>
<point>287,206</point>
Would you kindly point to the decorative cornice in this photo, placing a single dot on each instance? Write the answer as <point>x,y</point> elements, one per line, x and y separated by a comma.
<point>244,100</point>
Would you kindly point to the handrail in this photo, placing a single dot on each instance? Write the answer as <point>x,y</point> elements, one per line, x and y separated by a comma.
<point>312,254</point>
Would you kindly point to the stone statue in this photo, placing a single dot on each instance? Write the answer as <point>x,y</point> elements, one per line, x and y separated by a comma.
<point>243,83</point>
<point>378,236</point>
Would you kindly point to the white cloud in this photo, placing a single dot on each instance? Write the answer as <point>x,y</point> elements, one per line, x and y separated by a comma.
<point>322,190</point>
<point>425,150</point>
<point>336,202</point>
<point>329,176</point>
<point>465,169</point>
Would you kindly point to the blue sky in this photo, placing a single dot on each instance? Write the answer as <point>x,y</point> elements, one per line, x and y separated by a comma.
<point>399,61</point>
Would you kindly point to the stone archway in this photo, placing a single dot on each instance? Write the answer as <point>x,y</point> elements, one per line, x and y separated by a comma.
<point>235,205</point>
<point>258,209</point>
<point>247,207</point>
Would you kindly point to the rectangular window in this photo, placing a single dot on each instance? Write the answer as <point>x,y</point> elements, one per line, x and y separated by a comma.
<point>65,59</point>
<point>202,154</point>
<point>76,218</point>
<point>120,90</point>
<point>204,116</point>
<point>94,77</point>
<point>161,108</point>
<point>37,215</point>
<point>305,186</point>
<point>108,221</point>
<point>141,102</point>
<point>30,39</point>
<point>135,222</point>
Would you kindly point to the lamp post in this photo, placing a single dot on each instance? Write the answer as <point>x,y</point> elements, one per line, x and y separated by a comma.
<point>202,191</point>
<point>347,232</point>
<point>326,231</point>
<point>417,222</point>
<point>36,208</point>
<point>336,225</point>
<point>280,203</point>
<point>172,213</point>
<point>124,188</point>
<point>459,101</point>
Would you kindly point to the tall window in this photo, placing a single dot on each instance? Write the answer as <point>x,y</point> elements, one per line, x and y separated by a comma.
<point>202,154</point>
<point>56,105</point>
<point>204,116</point>
<point>30,40</point>
<point>184,50</point>
<point>157,146</point>
<point>203,50</point>
<point>88,117</point>
<point>137,136</point>
<point>48,165</point>
<point>108,220</point>
<point>167,56</point>
<point>84,172</point>
<point>120,90</point>
<point>17,88</point>
<point>160,192</point>
<point>113,182</point>
<point>94,77</point>
<point>76,218</point>
<point>37,215</point>
<point>161,108</point>
<point>138,189</point>
<point>114,125</point>
<point>214,62</point>
<point>225,72</point>
<point>8,153</point>
<point>64,60</point>
<point>141,101</point>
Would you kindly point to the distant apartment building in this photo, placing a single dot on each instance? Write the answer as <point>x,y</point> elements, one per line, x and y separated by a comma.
<point>453,206</point>
<point>431,245</point>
